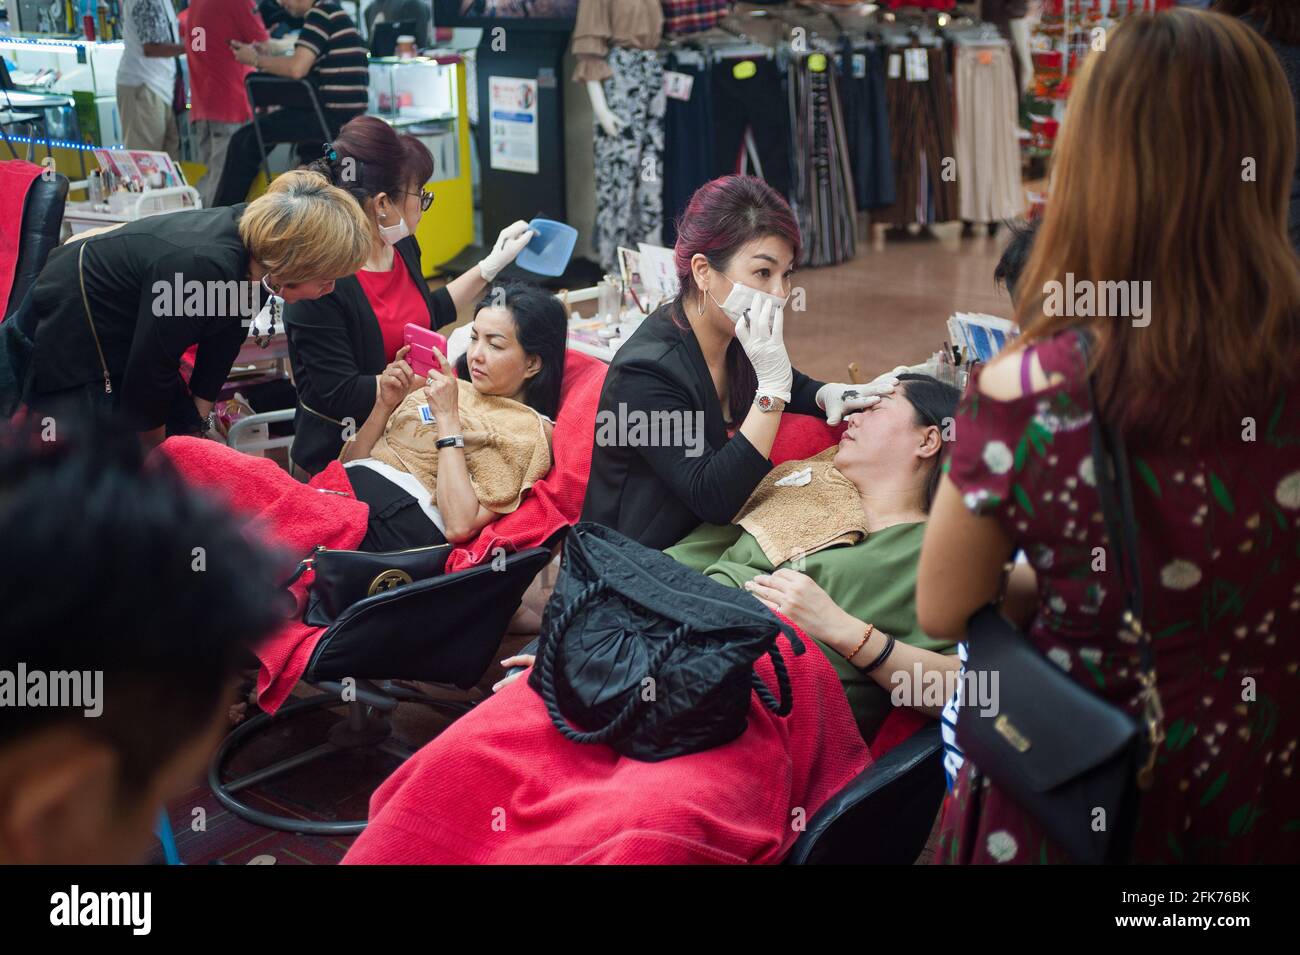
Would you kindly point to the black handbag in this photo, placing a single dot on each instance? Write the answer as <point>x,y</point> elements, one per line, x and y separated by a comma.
<point>654,659</point>
<point>344,577</point>
<point>1075,762</point>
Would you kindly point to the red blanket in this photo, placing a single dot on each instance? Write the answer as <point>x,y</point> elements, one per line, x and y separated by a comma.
<point>500,785</point>
<point>16,177</point>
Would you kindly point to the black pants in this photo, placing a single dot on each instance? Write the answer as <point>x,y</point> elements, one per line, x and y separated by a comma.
<point>760,102</point>
<point>396,520</point>
<point>866,125</point>
<point>286,126</point>
<point>688,148</point>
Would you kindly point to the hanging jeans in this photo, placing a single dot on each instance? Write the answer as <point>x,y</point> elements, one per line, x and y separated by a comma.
<point>866,125</point>
<point>688,146</point>
<point>756,101</point>
<point>988,152</point>
<point>629,166</point>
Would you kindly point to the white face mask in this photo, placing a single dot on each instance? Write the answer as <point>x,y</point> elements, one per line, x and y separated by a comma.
<point>741,297</point>
<point>392,234</point>
<point>264,323</point>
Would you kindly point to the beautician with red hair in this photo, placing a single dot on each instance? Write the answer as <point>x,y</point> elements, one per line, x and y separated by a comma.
<point>714,356</point>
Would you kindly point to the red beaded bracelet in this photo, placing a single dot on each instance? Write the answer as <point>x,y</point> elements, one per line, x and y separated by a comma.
<point>871,628</point>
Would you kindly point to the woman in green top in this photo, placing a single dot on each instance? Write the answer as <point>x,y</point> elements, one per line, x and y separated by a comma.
<point>844,593</point>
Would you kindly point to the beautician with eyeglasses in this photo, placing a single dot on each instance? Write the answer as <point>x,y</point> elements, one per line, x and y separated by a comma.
<point>342,343</point>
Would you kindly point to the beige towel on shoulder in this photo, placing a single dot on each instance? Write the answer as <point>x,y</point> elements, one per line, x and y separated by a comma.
<point>506,447</point>
<point>802,507</point>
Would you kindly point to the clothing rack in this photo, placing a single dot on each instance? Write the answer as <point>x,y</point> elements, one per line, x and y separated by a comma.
<point>743,46</point>
<point>718,49</point>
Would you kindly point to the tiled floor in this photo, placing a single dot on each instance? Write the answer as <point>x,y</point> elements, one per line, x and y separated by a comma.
<point>889,306</point>
<point>886,307</point>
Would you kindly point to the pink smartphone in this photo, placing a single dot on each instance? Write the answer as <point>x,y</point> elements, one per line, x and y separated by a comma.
<point>423,341</point>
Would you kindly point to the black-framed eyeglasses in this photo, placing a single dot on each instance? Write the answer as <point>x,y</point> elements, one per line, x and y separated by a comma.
<point>426,198</point>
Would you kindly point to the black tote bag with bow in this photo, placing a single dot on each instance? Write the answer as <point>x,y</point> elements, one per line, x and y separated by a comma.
<point>651,657</point>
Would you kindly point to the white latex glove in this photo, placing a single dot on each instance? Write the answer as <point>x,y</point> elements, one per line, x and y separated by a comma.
<point>838,399</point>
<point>762,336</point>
<point>510,243</point>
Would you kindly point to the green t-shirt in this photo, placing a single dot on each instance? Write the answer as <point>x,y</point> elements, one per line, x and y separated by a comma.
<point>873,580</point>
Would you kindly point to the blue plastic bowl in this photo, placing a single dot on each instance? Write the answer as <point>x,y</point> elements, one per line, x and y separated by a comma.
<point>547,253</point>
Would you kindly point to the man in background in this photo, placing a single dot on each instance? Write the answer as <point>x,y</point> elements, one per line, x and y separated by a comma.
<point>146,76</point>
<point>218,101</point>
<point>330,54</point>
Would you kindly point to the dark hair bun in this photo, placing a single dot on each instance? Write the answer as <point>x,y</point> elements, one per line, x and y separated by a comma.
<point>324,168</point>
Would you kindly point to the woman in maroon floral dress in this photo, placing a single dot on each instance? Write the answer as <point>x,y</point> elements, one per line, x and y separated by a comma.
<point>1173,169</point>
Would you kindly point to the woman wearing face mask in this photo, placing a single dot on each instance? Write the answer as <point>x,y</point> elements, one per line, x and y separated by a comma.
<point>110,315</point>
<point>713,360</point>
<point>341,345</point>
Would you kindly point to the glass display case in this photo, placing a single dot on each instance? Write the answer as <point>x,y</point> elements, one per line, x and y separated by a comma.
<point>419,96</point>
<point>426,97</point>
<point>84,70</point>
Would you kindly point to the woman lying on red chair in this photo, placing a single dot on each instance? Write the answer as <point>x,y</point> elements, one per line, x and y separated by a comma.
<point>832,541</point>
<point>508,488</point>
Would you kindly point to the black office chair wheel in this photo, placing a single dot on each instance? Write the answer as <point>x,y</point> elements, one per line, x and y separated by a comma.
<point>366,727</point>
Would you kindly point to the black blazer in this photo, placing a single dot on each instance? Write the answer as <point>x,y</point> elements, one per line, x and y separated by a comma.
<point>657,495</point>
<point>131,283</point>
<point>337,349</point>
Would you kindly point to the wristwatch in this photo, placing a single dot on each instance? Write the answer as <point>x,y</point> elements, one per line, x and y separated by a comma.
<point>768,403</point>
<point>451,441</point>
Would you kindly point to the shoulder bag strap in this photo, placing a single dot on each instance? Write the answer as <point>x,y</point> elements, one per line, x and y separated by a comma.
<point>1111,469</point>
<point>85,303</point>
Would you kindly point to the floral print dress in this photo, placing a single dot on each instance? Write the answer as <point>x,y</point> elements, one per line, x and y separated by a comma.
<point>1219,535</point>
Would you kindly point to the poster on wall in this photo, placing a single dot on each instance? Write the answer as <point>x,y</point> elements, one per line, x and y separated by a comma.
<point>512,113</point>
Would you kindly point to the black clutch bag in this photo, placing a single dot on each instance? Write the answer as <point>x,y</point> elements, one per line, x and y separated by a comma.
<point>344,577</point>
<point>1074,761</point>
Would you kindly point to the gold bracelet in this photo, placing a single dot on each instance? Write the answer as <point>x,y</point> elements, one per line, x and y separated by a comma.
<point>871,628</point>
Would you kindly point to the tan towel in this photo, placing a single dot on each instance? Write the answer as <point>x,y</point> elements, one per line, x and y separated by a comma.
<point>506,448</point>
<point>803,517</point>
